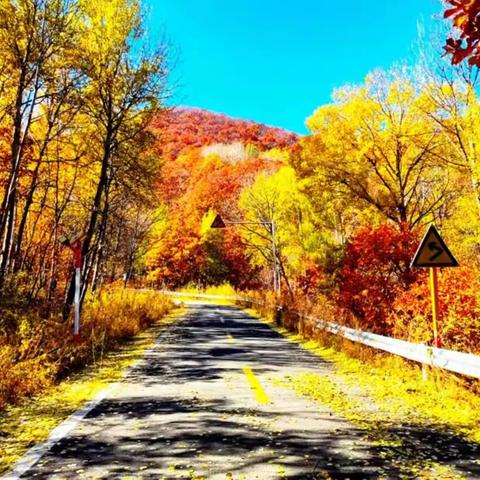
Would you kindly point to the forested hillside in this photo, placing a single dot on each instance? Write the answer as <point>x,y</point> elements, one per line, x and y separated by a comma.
<point>182,129</point>
<point>207,160</point>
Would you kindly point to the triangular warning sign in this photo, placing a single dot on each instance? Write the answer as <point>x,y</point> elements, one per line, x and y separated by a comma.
<point>433,252</point>
<point>218,222</point>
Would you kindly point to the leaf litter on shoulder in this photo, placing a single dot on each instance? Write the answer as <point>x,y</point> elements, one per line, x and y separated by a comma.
<point>392,404</point>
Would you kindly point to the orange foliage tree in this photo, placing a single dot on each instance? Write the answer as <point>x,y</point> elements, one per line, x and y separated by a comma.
<point>465,15</point>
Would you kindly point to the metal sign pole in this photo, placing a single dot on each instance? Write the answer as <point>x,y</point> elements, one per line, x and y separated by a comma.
<point>435,310</point>
<point>77,255</point>
<point>76,247</point>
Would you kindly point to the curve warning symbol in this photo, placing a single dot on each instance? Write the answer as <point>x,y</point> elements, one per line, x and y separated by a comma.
<point>433,252</point>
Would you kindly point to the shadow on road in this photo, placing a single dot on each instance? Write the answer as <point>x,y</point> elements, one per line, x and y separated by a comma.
<point>181,443</point>
<point>199,344</point>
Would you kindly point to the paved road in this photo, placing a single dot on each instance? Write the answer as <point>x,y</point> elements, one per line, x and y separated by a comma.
<point>202,404</point>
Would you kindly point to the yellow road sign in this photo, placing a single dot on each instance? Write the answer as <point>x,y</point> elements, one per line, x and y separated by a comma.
<point>433,252</point>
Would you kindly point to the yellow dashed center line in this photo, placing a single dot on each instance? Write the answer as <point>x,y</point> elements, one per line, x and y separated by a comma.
<point>256,386</point>
<point>230,338</point>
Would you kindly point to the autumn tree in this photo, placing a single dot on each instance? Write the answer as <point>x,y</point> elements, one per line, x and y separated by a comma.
<point>51,149</point>
<point>449,98</point>
<point>34,35</point>
<point>126,82</point>
<point>375,269</point>
<point>376,146</point>
<point>277,198</point>
<point>465,17</point>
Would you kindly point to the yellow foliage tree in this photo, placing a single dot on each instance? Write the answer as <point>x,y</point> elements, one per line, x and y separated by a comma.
<point>277,198</point>
<point>376,146</point>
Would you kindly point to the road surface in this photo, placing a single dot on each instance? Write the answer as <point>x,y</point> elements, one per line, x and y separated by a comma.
<point>203,404</point>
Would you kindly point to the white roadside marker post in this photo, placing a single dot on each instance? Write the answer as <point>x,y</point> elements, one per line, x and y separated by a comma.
<point>76,322</point>
<point>76,247</point>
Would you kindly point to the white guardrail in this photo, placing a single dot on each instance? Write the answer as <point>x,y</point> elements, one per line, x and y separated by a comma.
<point>463,363</point>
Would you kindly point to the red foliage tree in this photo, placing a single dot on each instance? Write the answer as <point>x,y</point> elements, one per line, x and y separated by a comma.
<point>465,15</point>
<point>191,186</point>
<point>311,280</point>
<point>375,269</point>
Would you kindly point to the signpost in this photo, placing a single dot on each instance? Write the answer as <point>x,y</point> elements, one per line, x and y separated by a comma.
<point>433,253</point>
<point>218,222</point>
<point>75,245</point>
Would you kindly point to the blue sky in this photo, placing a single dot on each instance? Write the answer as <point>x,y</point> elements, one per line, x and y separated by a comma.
<point>275,61</point>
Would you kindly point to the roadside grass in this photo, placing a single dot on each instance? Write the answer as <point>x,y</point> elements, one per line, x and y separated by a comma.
<point>38,351</point>
<point>401,391</point>
<point>31,420</point>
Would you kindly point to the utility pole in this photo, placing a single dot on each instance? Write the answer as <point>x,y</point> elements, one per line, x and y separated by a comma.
<point>218,222</point>
<point>276,266</point>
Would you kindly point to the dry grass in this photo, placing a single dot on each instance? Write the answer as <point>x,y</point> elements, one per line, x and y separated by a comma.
<point>42,351</point>
<point>31,420</point>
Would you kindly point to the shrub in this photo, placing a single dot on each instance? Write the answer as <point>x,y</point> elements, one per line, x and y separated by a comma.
<point>311,280</point>
<point>43,351</point>
<point>459,310</point>
<point>374,270</point>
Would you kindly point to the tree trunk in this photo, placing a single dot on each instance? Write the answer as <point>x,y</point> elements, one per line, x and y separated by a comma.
<point>23,222</point>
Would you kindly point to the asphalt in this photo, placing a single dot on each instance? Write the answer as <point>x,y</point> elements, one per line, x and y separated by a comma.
<point>202,405</point>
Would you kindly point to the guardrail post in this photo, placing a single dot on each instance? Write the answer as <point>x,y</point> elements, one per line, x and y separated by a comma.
<point>424,372</point>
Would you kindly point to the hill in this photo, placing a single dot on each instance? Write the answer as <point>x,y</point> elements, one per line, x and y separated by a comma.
<point>183,129</point>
